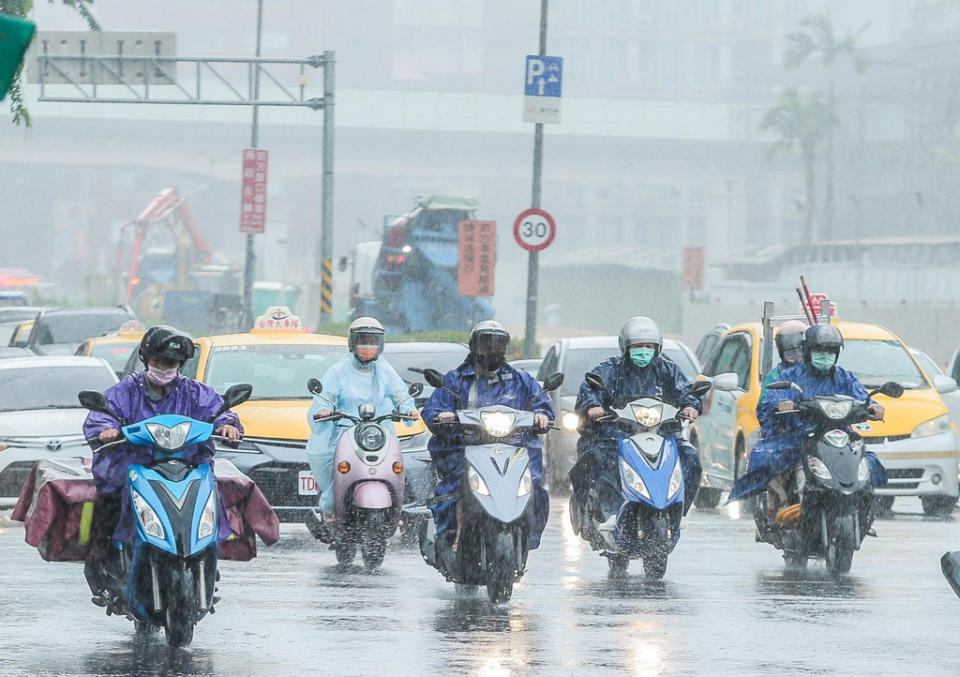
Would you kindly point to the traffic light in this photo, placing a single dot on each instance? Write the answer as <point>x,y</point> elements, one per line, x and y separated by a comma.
<point>15,37</point>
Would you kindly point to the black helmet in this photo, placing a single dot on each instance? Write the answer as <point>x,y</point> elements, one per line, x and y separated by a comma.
<point>167,342</point>
<point>790,336</point>
<point>488,344</point>
<point>821,337</point>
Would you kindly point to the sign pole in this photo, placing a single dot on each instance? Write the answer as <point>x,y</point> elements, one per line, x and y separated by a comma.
<point>533,260</point>
<point>250,258</point>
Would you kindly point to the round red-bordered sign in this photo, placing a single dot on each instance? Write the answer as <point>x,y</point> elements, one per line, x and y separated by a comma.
<point>534,229</point>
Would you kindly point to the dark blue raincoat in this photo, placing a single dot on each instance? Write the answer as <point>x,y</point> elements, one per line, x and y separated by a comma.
<point>597,446</point>
<point>779,448</point>
<point>510,387</point>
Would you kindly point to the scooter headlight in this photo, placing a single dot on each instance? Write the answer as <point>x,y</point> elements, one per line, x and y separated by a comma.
<point>477,485</point>
<point>371,437</point>
<point>648,417</point>
<point>569,421</point>
<point>498,423</point>
<point>208,518</point>
<point>819,468</point>
<point>169,438</point>
<point>835,409</point>
<point>836,438</point>
<point>863,472</point>
<point>526,483</point>
<point>632,479</point>
<point>676,480</point>
<point>147,516</point>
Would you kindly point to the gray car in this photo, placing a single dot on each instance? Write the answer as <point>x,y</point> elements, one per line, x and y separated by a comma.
<point>60,331</point>
<point>574,357</point>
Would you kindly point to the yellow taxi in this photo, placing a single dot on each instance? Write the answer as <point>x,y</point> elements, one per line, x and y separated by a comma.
<point>915,442</point>
<point>277,357</point>
<point>21,335</point>
<point>115,347</point>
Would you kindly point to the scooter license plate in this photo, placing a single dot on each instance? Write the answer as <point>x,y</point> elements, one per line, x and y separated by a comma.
<point>306,485</point>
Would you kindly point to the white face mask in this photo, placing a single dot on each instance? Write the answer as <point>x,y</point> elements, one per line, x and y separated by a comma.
<point>161,377</point>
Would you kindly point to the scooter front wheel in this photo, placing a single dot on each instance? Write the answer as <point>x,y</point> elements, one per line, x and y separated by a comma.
<point>655,566</point>
<point>501,568</point>
<point>345,551</point>
<point>618,565</point>
<point>181,607</point>
<point>840,545</point>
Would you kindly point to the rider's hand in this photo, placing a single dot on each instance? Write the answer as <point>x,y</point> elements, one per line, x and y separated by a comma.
<point>323,413</point>
<point>109,435</point>
<point>876,412</point>
<point>593,413</point>
<point>446,417</point>
<point>786,405</point>
<point>228,431</point>
<point>541,421</point>
<point>414,414</point>
<point>690,412</point>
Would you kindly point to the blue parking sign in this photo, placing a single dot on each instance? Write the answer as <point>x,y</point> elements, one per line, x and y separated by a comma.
<point>544,76</point>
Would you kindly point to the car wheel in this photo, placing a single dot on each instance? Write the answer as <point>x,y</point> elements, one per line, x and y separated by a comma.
<point>938,506</point>
<point>707,498</point>
<point>883,506</point>
<point>559,480</point>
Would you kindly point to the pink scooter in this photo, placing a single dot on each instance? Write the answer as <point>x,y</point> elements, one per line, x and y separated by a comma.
<point>368,484</point>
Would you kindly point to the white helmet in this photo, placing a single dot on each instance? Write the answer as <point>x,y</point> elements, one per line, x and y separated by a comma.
<point>365,327</point>
<point>640,329</point>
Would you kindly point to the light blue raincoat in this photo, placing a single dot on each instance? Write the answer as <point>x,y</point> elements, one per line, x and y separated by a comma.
<point>347,385</point>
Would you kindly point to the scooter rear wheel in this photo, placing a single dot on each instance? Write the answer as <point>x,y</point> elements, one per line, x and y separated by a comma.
<point>345,551</point>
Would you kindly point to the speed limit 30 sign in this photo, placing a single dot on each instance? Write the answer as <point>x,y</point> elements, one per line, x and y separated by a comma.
<point>534,229</point>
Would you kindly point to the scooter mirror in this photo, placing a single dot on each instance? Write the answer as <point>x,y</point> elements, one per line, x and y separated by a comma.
<point>892,389</point>
<point>553,381</point>
<point>415,389</point>
<point>433,377</point>
<point>780,385</point>
<point>594,381</point>
<point>235,394</point>
<point>701,388</point>
<point>94,401</point>
<point>314,386</point>
<point>950,565</point>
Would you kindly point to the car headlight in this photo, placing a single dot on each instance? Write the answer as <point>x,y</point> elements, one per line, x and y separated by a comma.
<point>371,437</point>
<point>836,438</point>
<point>498,423</point>
<point>819,468</point>
<point>526,483</point>
<point>569,421</point>
<point>632,479</point>
<point>648,417</point>
<point>477,485</point>
<point>417,442</point>
<point>835,409</point>
<point>863,472</point>
<point>147,516</point>
<point>935,426</point>
<point>676,480</point>
<point>169,438</point>
<point>209,517</point>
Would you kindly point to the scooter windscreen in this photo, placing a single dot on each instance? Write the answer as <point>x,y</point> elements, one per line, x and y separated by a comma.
<point>499,477</point>
<point>168,432</point>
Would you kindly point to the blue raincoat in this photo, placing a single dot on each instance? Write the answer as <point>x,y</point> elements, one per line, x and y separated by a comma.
<point>347,385</point>
<point>510,387</point>
<point>134,399</point>
<point>597,446</point>
<point>779,448</point>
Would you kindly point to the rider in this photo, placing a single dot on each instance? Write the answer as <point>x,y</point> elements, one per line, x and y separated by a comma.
<point>482,380</point>
<point>789,340</point>
<point>777,450</point>
<point>638,371</point>
<point>159,389</point>
<point>359,377</point>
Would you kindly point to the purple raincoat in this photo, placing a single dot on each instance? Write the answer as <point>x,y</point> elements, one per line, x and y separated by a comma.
<point>130,399</point>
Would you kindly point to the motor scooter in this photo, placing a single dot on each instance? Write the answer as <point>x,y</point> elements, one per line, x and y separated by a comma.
<point>830,493</point>
<point>166,577</point>
<point>490,546</point>
<point>650,484</point>
<point>368,483</point>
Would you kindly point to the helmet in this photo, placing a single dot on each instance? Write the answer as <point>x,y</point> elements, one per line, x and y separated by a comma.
<point>488,344</point>
<point>640,329</point>
<point>789,336</point>
<point>821,337</point>
<point>369,328</point>
<point>167,342</point>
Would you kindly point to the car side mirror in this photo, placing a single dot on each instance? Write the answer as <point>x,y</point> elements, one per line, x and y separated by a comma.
<point>434,378</point>
<point>700,388</point>
<point>595,381</point>
<point>95,401</point>
<point>314,386</point>
<point>415,389</point>
<point>893,389</point>
<point>944,384</point>
<point>553,381</point>
<point>728,382</point>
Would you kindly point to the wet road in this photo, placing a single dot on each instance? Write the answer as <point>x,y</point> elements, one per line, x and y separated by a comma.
<point>726,606</point>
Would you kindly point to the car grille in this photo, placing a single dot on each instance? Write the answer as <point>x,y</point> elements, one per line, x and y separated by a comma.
<point>13,477</point>
<point>279,483</point>
<point>880,439</point>
<point>905,473</point>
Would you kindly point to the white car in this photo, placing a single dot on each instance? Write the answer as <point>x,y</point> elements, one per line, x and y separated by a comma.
<point>574,357</point>
<point>40,417</point>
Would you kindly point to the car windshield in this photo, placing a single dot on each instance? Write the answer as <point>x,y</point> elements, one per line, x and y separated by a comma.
<point>679,356</point>
<point>875,362</point>
<point>579,361</point>
<point>76,327</point>
<point>44,387</point>
<point>116,354</point>
<point>275,372</point>
<point>927,364</point>
<point>443,360</point>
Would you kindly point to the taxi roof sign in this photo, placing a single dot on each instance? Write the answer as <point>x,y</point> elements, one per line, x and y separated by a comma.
<point>278,318</point>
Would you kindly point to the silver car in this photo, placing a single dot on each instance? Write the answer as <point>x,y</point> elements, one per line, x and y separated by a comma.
<point>574,357</point>
<point>40,417</point>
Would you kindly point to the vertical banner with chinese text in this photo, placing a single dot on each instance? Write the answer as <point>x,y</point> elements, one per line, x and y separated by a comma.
<point>253,195</point>
<point>478,258</point>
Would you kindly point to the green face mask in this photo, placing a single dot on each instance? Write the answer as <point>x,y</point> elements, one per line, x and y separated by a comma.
<point>642,356</point>
<point>822,360</point>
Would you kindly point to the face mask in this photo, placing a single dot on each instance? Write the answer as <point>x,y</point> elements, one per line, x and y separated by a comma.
<point>367,353</point>
<point>792,356</point>
<point>822,360</point>
<point>161,377</point>
<point>642,356</point>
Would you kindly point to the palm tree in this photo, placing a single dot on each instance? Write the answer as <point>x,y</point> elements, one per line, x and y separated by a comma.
<point>816,36</point>
<point>804,122</point>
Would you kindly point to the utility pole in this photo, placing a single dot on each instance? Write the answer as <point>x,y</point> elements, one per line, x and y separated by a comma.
<point>533,260</point>
<point>325,255</point>
<point>250,258</point>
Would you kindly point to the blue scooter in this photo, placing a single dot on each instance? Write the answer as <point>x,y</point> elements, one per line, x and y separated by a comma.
<point>651,484</point>
<point>166,577</point>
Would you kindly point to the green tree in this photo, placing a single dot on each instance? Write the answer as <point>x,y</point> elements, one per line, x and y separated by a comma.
<point>805,123</point>
<point>817,37</point>
<point>22,8</point>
